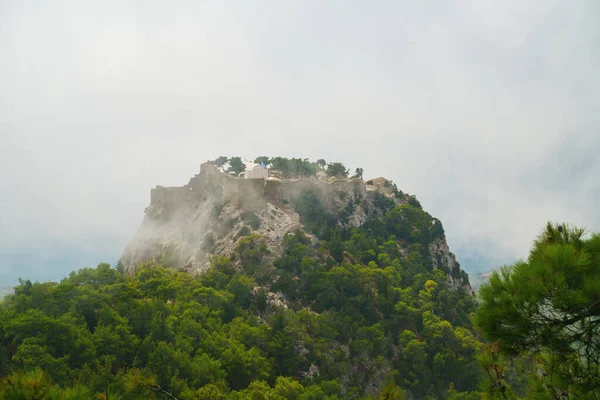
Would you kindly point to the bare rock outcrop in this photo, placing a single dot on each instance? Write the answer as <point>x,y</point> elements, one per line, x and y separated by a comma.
<point>184,226</point>
<point>443,259</point>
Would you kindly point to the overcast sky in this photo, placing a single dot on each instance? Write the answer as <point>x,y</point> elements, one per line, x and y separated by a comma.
<point>487,111</point>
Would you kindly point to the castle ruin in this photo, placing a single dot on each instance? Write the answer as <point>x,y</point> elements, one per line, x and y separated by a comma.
<point>250,194</point>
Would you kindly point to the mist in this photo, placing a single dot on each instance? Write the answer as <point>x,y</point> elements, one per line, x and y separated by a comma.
<point>487,112</point>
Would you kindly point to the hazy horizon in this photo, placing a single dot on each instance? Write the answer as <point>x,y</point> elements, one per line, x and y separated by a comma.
<point>486,112</point>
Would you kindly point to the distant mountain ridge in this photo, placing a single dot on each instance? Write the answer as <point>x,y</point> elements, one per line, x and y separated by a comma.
<point>479,279</point>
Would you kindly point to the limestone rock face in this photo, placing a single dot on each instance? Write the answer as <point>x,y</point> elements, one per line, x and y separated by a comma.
<point>443,259</point>
<point>184,227</point>
<point>188,236</point>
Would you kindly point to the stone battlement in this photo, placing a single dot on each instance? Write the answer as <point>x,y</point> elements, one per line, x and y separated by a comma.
<point>249,194</point>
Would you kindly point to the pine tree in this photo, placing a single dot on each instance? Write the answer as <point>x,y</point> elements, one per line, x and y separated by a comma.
<point>549,306</point>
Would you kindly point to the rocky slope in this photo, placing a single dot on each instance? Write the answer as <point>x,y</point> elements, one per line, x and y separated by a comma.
<point>303,284</point>
<point>183,227</point>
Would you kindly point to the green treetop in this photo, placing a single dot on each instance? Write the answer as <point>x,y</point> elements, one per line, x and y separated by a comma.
<point>549,307</point>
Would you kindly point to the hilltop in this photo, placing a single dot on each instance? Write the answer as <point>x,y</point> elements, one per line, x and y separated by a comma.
<point>230,199</point>
<point>277,279</point>
<point>289,279</point>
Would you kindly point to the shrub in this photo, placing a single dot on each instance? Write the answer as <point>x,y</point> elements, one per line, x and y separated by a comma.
<point>412,200</point>
<point>244,231</point>
<point>337,169</point>
<point>312,212</point>
<point>218,208</point>
<point>209,243</point>
<point>251,219</point>
<point>382,202</point>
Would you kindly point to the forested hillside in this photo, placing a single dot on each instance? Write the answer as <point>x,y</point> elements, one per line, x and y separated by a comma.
<point>362,299</point>
<point>351,315</point>
<point>388,329</point>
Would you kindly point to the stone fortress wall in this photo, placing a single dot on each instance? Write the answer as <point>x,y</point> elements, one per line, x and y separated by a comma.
<point>288,191</point>
<point>251,194</point>
<point>248,194</point>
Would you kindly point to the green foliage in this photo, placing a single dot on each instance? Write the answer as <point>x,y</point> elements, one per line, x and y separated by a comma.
<point>290,167</point>
<point>294,167</point>
<point>358,312</point>
<point>347,211</point>
<point>548,308</point>
<point>343,313</point>
<point>251,219</point>
<point>244,231</point>
<point>30,385</point>
<point>226,226</point>
<point>358,173</point>
<point>399,194</point>
<point>336,247</point>
<point>313,213</point>
<point>337,170</point>
<point>252,250</point>
<point>219,162</point>
<point>413,225</point>
<point>236,165</point>
<point>382,202</point>
<point>262,159</point>
<point>209,243</point>
<point>412,200</point>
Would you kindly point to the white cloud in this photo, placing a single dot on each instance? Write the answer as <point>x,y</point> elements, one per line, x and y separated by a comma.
<point>487,111</point>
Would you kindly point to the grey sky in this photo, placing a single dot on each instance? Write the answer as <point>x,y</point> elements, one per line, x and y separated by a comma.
<point>487,111</point>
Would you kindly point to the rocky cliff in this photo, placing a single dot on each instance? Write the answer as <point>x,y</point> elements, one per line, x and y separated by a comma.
<point>184,226</point>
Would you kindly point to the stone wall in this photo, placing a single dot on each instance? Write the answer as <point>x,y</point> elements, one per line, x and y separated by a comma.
<point>287,192</point>
<point>210,181</point>
<point>248,194</point>
<point>169,197</point>
<point>253,194</point>
<point>380,184</point>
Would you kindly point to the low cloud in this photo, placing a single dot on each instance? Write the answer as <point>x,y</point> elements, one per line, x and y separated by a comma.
<point>488,113</point>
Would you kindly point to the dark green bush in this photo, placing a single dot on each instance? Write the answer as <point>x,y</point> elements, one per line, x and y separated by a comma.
<point>312,212</point>
<point>244,231</point>
<point>251,219</point>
